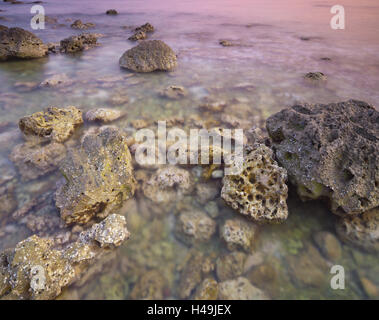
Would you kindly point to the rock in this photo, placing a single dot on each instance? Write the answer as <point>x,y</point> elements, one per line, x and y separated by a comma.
<point>217,174</point>
<point>260,191</point>
<point>240,289</point>
<point>56,80</point>
<point>78,43</point>
<point>308,268</point>
<point>207,290</point>
<point>148,56</point>
<point>225,43</point>
<point>98,177</point>
<point>147,27</point>
<point>139,35</point>
<point>206,192</point>
<point>35,270</point>
<point>361,231</point>
<point>174,92</point>
<point>25,86</point>
<point>103,115</point>
<point>56,124</point>
<point>230,266</point>
<point>191,275</point>
<point>329,245</point>
<point>266,276</point>
<point>111,12</point>
<point>212,209</point>
<point>149,287</point>
<point>168,184</point>
<point>369,288</point>
<point>238,233</point>
<point>34,161</point>
<point>330,151</point>
<point>315,76</point>
<point>194,226</point>
<point>78,24</point>
<point>17,43</point>
<point>7,189</point>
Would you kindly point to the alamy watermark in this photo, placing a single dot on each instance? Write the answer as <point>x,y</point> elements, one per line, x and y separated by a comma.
<point>38,20</point>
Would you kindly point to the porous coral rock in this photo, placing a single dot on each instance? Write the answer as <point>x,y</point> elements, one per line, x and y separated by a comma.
<point>361,231</point>
<point>174,92</point>
<point>230,266</point>
<point>103,115</point>
<point>17,43</point>
<point>98,177</point>
<point>148,56</point>
<point>56,124</point>
<point>139,35</point>
<point>34,161</point>
<point>207,290</point>
<point>78,24</point>
<point>78,43</point>
<point>238,233</point>
<point>260,190</point>
<point>194,226</point>
<point>34,269</point>
<point>330,151</point>
<point>240,289</point>
<point>147,27</point>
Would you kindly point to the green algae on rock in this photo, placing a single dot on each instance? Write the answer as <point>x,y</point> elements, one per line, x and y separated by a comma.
<point>361,231</point>
<point>148,56</point>
<point>34,269</point>
<point>17,43</point>
<point>55,124</point>
<point>330,151</point>
<point>260,191</point>
<point>98,177</point>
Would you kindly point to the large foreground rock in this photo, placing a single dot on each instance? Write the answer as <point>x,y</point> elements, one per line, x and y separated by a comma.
<point>98,177</point>
<point>55,124</point>
<point>17,43</point>
<point>330,151</point>
<point>35,270</point>
<point>260,191</point>
<point>148,56</point>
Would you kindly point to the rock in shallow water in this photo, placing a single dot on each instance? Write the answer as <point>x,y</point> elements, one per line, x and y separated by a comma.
<point>103,115</point>
<point>35,270</point>
<point>238,233</point>
<point>78,43</point>
<point>240,289</point>
<point>148,56</point>
<point>52,124</point>
<point>98,177</point>
<point>260,191</point>
<point>330,151</point>
<point>17,43</point>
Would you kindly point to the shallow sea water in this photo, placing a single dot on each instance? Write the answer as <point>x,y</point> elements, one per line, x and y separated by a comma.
<point>262,73</point>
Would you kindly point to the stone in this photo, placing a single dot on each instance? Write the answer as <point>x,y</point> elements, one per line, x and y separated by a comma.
<point>315,76</point>
<point>149,56</point>
<point>174,92</point>
<point>329,245</point>
<point>207,290</point>
<point>111,12</point>
<point>17,43</point>
<point>361,231</point>
<point>240,289</point>
<point>330,151</point>
<point>230,266</point>
<point>34,161</point>
<point>371,290</point>
<point>104,115</point>
<point>139,35</point>
<point>147,27</point>
<point>78,24</point>
<point>191,275</point>
<point>206,192</point>
<point>56,80</point>
<point>194,226</point>
<point>259,191</point>
<point>239,234</point>
<point>150,286</point>
<point>36,270</point>
<point>98,177</point>
<point>225,43</point>
<point>78,43</point>
<point>56,124</point>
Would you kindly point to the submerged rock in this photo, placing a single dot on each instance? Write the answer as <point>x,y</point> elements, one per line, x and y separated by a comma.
<point>139,35</point>
<point>361,231</point>
<point>147,27</point>
<point>328,244</point>
<point>55,124</point>
<point>111,12</point>
<point>238,233</point>
<point>330,151</point>
<point>34,161</point>
<point>103,115</point>
<point>56,80</point>
<point>174,92</point>
<point>17,43</point>
<point>98,177</point>
<point>240,289</point>
<point>260,191</point>
<point>149,287</point>
<point>207,290</point>
<point>36,270</point>
<point>195,226</point>
<point>230,266</point>
<point>78,43</point>
<point>315,76</point>
<point>225,43</point>
<point>148,56</point>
